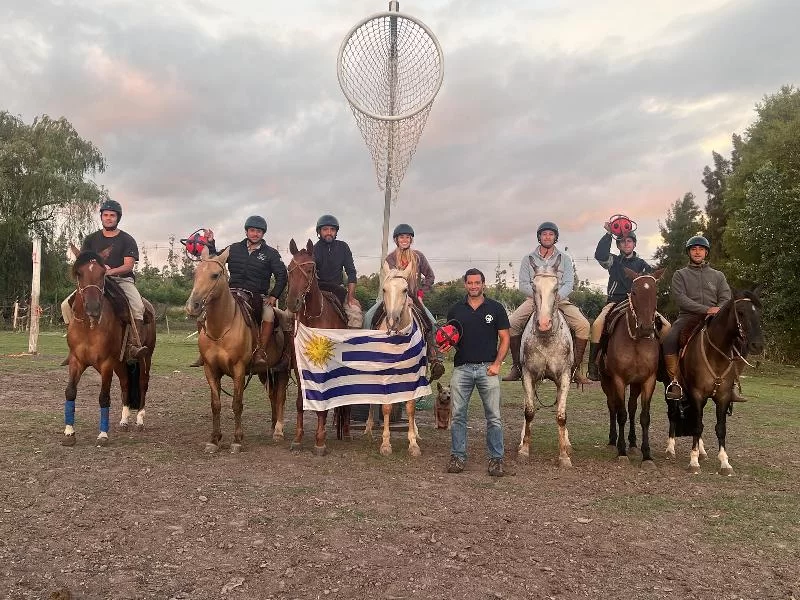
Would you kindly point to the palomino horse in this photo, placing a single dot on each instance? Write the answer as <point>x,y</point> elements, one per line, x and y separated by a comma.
<point>547,354</point>
<point>398,317</point>
<point>96,338</point>
<point>227,343</point>
<point>312,309</point>
<point>708,370</point>
<point>631,359</point>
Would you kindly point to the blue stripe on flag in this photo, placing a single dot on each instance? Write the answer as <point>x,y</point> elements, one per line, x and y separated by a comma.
<point>326,376</point>
<point>366,388</point>
<point>399,338</point>
<point>382,357</point>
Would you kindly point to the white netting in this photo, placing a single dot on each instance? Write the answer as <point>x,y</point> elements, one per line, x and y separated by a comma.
<point>390,93</point>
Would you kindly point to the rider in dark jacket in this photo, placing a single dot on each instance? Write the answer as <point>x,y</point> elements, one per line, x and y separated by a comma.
<point>331,257</point>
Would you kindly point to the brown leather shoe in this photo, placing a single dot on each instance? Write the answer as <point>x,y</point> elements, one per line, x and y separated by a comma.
<point>198,362</point>
<point>498,468</point>
<point>515,374</point>
<point>455,464</point>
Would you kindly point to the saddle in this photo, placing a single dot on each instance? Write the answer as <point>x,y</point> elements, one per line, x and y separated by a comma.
<point>336,303</point>
<point>252,307</point>
<point>119,303</point>
<point>692,328</point>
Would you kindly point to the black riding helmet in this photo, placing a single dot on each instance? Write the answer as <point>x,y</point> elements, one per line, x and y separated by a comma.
<point>112,205</point>
<point>403,229</point>
<point>630,234</point>
<point>256,222</point>
<point>543,227</point>
<point>327,221</point>
<point>697,240</point>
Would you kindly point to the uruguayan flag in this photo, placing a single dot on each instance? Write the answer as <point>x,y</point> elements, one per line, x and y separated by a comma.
<point>360,366</point>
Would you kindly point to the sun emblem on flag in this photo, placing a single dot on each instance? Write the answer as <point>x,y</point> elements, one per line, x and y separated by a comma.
<point>319,350</point>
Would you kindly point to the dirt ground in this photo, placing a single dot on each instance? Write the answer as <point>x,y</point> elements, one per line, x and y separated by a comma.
<point>153,516</point>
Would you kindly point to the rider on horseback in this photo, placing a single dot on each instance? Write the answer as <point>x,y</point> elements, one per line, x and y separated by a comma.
<point>546,254</point>
<point>123,254</point>
<point>699,290</point>
<point>331,257</point>
<point>619,285</point>
<point>400,258</point>
<point>252,263</point>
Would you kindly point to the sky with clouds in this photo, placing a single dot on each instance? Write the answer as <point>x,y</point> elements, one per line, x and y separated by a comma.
<point>550,110</point>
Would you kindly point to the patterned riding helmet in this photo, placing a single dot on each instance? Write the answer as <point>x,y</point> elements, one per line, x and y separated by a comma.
<point>327,221</point>
<point>112,205</point>
<point>630,234</point>
<point>256,222</point>
<point>697,240</point>
<point>403,228</point>
<point>448,335</point>
<point>544,227</point>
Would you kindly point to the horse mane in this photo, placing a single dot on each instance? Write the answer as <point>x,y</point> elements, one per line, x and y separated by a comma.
<point>751,295</point>
<point>85,258</point>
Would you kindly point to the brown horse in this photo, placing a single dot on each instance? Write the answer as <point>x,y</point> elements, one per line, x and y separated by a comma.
<point>227,343</point>
<point>631,359</point>
<point>96,338</point>
<point>305,299</point>
<point>708,370</point>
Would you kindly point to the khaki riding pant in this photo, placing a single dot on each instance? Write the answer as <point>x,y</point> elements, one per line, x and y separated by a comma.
<point>131,293</point>
<point>573,315</point>
<point>599,323</point>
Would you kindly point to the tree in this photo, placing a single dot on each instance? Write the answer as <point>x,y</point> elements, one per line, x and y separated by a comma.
<point>683,221</point>
<point>44,191</point>
<point>716,219</point>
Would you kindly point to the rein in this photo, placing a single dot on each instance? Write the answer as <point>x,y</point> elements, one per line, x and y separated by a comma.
<point>557,325</point>
<point>705,337</point>
<point>102,291</point>
<point>632,312</point>
<point>204,303</point>
<point>312,276</point>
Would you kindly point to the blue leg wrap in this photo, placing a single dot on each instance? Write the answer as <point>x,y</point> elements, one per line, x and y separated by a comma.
<point>69,412</point>
<point>104,411</point>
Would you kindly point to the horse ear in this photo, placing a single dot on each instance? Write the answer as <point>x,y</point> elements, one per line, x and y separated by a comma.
<point>756,291</point>
<point>204,253</point>
<point>384,269</point>
<point>310,246</point>
<point>630,273</point>
<point>658,273</point>
<point>74,249</point>
<point>407,272</point>
<point>293,247</point>
<point>105,253</point>
<point>223,257</point>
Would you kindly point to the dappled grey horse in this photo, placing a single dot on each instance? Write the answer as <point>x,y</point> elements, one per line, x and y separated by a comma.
<point>546,354</point>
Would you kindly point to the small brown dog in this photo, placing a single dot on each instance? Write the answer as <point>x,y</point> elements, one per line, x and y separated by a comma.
<point>443,408</point>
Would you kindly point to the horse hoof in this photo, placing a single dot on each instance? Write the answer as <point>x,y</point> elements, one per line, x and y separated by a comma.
<point>140,427</point>
<point>669,455</point>
<point>211,448</point>
<point>123,427</point>
<point>69,440</point>
<point>726,471</point>
<point>623,460</point>
<point>386,450</point>
<point>694,469</point>
<point>278,438</point>
<point>634,451</point>
<point>415,452</point>
<point>295,446</point>
<point>348,437</point>
<point>236,448</point>
<point>525,452</point>
<point>101,442</point>
<point>564,462</point>
<point>320,450</point>
<point>648,465</point>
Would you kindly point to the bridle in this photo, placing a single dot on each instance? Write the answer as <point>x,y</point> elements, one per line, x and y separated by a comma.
<point>101,289</point>
<point>311,277</point>
<point>632,312</point>
<point>556,321</point>
<point>734,353</point>
<point>204,303</point>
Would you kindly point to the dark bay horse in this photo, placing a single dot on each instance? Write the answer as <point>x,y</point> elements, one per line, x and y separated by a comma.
<point>708,370</point>
<point>547,354</point>
<point>227,343</point>
<point>96,338</point>
<point>631,359</point>
<point>305,299</point>
<point>398,317</point>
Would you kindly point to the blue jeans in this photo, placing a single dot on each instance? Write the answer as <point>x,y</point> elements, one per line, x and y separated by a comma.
<point>464,380</point>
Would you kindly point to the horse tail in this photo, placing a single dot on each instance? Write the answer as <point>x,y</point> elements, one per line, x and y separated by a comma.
<point>341,416</point>
<point>134,389</point>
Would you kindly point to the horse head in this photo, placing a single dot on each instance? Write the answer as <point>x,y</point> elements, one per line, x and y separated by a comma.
<point>748,316</point>
<point>208,274</point>
<point>302,275</point>
<point>643,299</point>
<point>545,294</point>
<point>89,271</point>
<point>395,297</point>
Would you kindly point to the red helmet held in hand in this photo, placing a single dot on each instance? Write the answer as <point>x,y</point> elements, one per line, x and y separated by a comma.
<point>195,243</point>
<point>621,226</point>
<point>448,335</point>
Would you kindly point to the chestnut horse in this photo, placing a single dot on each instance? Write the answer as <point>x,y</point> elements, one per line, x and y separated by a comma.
<point>708,370</point>
<point>397,305</point>
<point>547,354</point>
<point>96,338</point>
<point>227,343</point>
<point>631,359</point>
<point>305,299</point>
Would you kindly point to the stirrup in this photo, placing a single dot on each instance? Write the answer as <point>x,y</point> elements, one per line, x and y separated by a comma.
<point>515,374</point>
<point>136,353</point>
<point>674,391</point>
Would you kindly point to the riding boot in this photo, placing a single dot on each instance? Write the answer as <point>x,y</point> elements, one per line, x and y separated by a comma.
<point>593,372</point>
<point>516,368</point>
<point>580,349</point>
<point>135,352</point>
<point>736,394</point>
<point>674,390</point>
<point>260,356</point>
<point>435,357</point>
<point>199,361</point>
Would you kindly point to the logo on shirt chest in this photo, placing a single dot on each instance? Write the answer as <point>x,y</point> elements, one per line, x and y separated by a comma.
<point>261,256</point>
<point>489,318</point>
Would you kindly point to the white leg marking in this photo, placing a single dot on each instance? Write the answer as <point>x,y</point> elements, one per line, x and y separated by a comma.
<point>126,416</point>
<point>702,448</point>
<point>694,465</point>
<point>723,459</point>
<point>670,448</point>
<point>140,417</point>
<point>69,430</point>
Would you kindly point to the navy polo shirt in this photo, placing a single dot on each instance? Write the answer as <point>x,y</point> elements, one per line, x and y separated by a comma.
<point>478,343</point>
